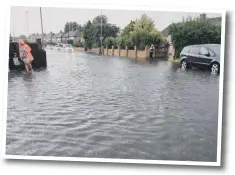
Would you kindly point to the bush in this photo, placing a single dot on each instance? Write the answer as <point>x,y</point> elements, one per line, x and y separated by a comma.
<point>26,41</point>
<point>124,41</point>
<point>141,38</point>
<point>95,45</point>
<point>87,45</point>
<point>130,44</point>
<point>137,33</point>
<point>51,43</point>
<point>78,44</point>
<point>194,31</point>
<point>140,33</point>
<point>70,42</point>
<point>110,41</point>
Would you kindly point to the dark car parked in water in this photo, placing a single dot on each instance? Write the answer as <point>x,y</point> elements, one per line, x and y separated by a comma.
<point>204,55</point>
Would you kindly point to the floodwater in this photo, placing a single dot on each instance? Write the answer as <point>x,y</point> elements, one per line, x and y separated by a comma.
<point>86,105</point>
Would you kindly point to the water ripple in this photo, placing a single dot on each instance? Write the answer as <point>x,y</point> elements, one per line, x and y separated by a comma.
<point>97,106</point>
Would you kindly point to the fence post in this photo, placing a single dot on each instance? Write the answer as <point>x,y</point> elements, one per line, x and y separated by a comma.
<point>146,52</point>
<point>126,52</point>
<point>112,50</point>
<point>170,53</point>
<point>107,53</point>
<point>102,50</point>
<point>135,52</point>
<point>155,51</point>
<point>118,50</point>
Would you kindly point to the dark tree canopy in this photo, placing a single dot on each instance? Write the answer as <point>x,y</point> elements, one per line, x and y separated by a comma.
<point>194,31</point>
<point>92,31</point>
<point>128,29</point>
<point>71,26</point>
<point>97,19</point>
<point>87,34</point>
<point>138,33</point>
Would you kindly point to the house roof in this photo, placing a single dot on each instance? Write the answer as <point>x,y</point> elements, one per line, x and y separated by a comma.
<point>58,35</point>
<point>40,36</point>
<point>16,38</point>
<point>36,36</point>
<point>55,36</point>
<point>67,34</point>
<point>165,32</point>
<point>22,37</point>
<point>75,33</point>
<point>216,20</point>
<point>33,36</point>
<point>49,35</point>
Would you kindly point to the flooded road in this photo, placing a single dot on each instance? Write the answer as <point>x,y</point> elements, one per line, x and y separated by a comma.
<point>85,105</point>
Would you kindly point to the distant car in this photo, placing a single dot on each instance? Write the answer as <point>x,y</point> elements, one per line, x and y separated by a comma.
<point>68,48</point>
<point>57,48</point>
<point>204,55</point>
<point>49,47</point>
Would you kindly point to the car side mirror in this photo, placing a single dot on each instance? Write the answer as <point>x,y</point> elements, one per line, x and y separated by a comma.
<point>207,54</point>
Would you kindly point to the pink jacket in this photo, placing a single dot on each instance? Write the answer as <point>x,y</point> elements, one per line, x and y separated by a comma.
<point>27,50</point>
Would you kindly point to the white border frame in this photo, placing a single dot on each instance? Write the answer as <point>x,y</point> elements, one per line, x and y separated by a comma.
<point>107,160</point>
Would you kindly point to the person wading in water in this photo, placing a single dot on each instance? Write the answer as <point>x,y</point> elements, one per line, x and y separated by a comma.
<point>25,55</point>
<point>151,50</point>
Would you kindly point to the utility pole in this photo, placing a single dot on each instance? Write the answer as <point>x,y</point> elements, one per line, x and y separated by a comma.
<point>101,37</point>
<point>41,26</point>
<point>13,34</point>
<point>68,33</point>
<point>27,23</point>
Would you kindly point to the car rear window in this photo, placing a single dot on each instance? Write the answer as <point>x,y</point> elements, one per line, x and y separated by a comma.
<point>215,48</point>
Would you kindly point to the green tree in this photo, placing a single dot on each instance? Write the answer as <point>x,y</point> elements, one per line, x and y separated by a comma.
<point>97,19</point>
<point>66,27</point>
<point>124,41</point>
<point>108,30</point>
<point>140,33</point>
<point>87,34</point>
<point>110,41</point>
<point>194,31</point>
<point>76,26</point>
<point>71,26</point>
<point>26,41</point>
<point>81,34</point>
<point>92,31</point>
<point>125,38</point>
<point>145,33</point>
<point>128,29</point>
<point>141,38</point>
<point>144,23</point>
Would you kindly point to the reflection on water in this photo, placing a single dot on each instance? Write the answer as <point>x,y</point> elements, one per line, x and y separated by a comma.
<point>85,105</point>
<point>29,76</point>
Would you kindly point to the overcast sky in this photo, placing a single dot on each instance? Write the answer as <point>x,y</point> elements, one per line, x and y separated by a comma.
<point>55,18</point>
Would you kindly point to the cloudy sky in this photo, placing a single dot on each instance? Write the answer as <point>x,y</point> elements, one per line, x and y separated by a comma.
<point>55,18</point>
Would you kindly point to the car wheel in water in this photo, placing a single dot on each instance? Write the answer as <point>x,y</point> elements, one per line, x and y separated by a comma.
<point>184,64</point>
<point>215,68</point>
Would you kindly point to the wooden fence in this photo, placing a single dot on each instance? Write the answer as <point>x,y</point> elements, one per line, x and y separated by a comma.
<point>136,54</point>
